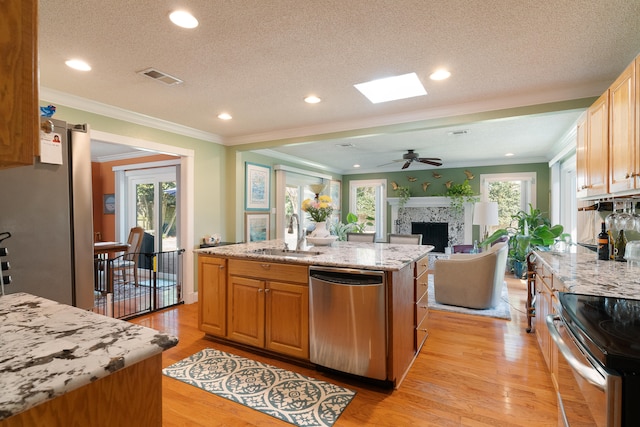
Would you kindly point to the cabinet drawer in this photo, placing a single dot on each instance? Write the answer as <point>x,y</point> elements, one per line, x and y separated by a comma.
<point>544,274</point>
<point>422,265</point>
<point>422,309</point>
<point>422,331</point>
<point>422,284</point>
<point>269,270</point>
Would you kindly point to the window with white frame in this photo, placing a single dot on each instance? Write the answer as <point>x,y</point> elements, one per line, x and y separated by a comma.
<point>512,191</point>
<point>368,198</point>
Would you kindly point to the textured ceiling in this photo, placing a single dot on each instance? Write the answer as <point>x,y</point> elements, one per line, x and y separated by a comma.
<point>258,59</point>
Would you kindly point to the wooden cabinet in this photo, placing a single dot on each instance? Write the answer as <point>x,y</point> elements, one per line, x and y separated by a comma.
<point>547,288</point>
<point>268,306</point>
<point>595,152</point>
<point>421,285</point>
<point>19,114</point>
<point>212,290</point>
<point>623,150</point>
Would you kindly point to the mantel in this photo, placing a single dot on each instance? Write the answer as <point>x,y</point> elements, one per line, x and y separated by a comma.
<point>434,202</point>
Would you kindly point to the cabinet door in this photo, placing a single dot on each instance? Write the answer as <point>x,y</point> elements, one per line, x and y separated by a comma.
<point>622,149</point>
<point>582,173</point>
<point>637,121</point>
<point>245,310</point>
<point>598,146</point>
<point>212,290</point>
<point>19,118</point>
<point>287,319</point>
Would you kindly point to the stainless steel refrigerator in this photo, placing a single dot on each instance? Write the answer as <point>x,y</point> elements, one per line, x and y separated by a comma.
<point>48,210</point>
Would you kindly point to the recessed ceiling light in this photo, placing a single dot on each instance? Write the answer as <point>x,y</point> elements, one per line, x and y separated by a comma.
<point>312,99</point>
<point>183,19</point>
<point>224,116</point>
<point>440,75</point>
<point>356,165</point>
<point>392,88</point>
<point>509,155</point>
<point>78,64</point>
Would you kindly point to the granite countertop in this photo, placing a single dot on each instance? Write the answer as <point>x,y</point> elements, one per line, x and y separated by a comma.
<point>582,273</point>
<point>49,349</point>
<point>378,256</point>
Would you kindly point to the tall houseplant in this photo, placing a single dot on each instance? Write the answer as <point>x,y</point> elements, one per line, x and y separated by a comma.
<point>532,230</point>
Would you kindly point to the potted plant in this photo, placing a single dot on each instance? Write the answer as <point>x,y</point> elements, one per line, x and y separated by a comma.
<point>352,225</point>
<point>459,194</point>
<point>532,231</point>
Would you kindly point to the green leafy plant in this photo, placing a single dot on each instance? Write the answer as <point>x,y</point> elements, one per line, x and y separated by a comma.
<point>404,194</point>
<point>459,195</point>
<point>532,231</point>
<point>352,225</point>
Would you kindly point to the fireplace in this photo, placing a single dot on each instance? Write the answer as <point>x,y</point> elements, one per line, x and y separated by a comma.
<point>433,233</point>
<point>433,210</point>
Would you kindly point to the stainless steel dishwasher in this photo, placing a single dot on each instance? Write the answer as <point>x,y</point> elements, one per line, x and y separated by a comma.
<point>348,320</point>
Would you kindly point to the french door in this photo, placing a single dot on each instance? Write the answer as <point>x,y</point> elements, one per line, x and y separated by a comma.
<point>151,203</point>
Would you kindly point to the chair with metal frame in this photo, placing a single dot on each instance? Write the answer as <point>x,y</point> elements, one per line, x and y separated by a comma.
<point>406,239</point>
<point>361,237</point>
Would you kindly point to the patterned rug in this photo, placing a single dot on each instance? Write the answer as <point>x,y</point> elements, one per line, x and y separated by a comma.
<point>286,395</point>
<point>501,311</point>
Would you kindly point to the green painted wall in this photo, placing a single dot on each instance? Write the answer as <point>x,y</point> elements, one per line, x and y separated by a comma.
<point>456,175</point>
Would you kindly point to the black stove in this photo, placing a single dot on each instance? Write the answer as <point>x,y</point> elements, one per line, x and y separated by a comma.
<point>608,327</point>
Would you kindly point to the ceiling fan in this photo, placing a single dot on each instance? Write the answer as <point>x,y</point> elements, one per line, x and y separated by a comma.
<point>411,156</point>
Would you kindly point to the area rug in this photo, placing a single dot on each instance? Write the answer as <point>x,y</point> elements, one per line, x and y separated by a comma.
<point>286,395</point>
<point>501,311</point>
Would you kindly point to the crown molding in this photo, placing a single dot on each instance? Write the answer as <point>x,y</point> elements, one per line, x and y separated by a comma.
<point>56,97</point>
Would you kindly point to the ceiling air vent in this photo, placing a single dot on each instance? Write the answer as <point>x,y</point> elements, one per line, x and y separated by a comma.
<point>160,76</point>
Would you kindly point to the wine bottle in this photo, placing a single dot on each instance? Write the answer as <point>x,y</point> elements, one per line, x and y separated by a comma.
<point>603,244</point>
<point>621,244</point>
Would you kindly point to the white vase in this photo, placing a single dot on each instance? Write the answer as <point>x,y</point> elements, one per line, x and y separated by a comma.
<point>321,230</point>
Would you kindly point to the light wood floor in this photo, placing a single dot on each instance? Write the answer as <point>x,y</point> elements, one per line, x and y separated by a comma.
<point>472,371</point>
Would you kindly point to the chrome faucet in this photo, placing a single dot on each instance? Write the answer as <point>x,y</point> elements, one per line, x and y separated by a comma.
<point>300,241</point>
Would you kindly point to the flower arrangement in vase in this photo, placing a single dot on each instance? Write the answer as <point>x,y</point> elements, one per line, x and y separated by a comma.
<point>319,209</point>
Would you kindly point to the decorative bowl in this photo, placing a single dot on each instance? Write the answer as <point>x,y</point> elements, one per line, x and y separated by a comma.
<point>321,241</point>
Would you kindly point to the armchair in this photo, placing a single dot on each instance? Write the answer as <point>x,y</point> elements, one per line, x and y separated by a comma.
<point>471,280</point>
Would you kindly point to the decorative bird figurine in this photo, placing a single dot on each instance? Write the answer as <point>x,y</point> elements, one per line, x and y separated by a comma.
<point>394,185</point>
<point>411,179</point>
<point>436,175</point>
<point>469,174</point>
<point>448,184</point>
<point>47,111</point>
<point>425,185</point>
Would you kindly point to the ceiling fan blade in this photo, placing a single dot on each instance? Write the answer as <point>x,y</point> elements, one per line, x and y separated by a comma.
<point>406,165</point>
<point>434,162</point>
<point>391,162</point>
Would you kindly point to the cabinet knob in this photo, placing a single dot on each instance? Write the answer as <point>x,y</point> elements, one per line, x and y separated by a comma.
<point>221,267</point>
<point>265,266</point>
<point>260,290</point>
<point>267,290</point>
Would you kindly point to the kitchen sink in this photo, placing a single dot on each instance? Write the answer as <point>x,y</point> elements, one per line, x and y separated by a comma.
<point>285,252</point>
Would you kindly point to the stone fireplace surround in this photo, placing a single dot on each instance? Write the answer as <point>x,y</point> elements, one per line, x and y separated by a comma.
<point>433,209</point>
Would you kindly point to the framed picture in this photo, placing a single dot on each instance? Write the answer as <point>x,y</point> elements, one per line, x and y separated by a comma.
<point>108,204</point>
<point>256,227</point>
<point>257,181</point>
<point>335,192</point>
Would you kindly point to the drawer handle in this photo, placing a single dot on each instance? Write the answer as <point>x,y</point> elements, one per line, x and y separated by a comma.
<point>265,266</point>
<point>423,306</point>
<point>423,330</point>
<point>423,284</point>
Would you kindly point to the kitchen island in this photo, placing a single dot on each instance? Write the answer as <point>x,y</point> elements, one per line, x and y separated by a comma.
<point>61,365</point>
<point>257,295</point>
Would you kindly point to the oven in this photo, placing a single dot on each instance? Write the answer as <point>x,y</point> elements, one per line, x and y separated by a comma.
<point>598,360</point>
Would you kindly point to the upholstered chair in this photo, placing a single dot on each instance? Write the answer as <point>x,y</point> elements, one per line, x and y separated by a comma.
<point>471,280</point>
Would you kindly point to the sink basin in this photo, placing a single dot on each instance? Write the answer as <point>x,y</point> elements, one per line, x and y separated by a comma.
<point>286,252</point>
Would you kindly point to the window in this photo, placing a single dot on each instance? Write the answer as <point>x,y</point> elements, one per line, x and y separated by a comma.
<point>368,199</point>
<point>512,192</point>
<point>567,200</point>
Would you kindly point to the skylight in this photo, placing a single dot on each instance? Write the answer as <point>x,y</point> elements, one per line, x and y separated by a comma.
<point>392,88</point>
